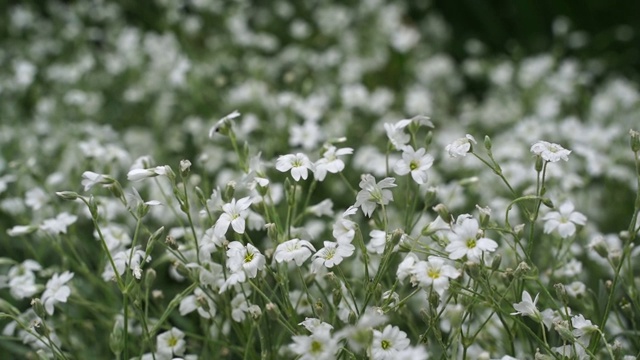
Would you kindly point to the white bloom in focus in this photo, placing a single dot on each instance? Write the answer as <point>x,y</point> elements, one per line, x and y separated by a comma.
<point>294,249</point>
<point>464,240</point>
<point>378,241</point>
<point>388,342</point>
<point>317,346</point>
<point>247,258</point>
<point>550,152</point>
<point>565,220</point>
<point>527,307</point>
<point>461,146</point>
<point>330,162</point>
<point>434,273</point>
<point>234,214</point>
<point>373,194</point>
<point>331,254</point>
<point>299,164</point>
<point>416,162</point>
<point>56,290</point>
<point>171,343</point>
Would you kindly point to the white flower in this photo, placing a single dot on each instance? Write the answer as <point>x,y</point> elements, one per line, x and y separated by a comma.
<point>90,179</point>
<point>583,327</point>
<point>330,162</point>
<point>331,254</point>
<point>396,134</point>
<point>294,249</point>
<point>59,224</point>
<point>247,258</point>
<point>527,307</point>
<point>234,214</point>
<point>465,240</point>
<point>299,164</point>
<point>378,241</point>
<point>223,125</point>
<point>323,208</point>
<point>388,342</point>
<point>344,229</point>
<point>198,301</point>
<point>405,268</point>
<point>56,290</point>
<point>550,152</point>
<point>565,220</point>
<point>434,273</point>
<point>373,194</point>
<point>461,146</point>
<point>416,162</point>
<point>141,174</point>
<point>171,343</point>
<point>317,346</point>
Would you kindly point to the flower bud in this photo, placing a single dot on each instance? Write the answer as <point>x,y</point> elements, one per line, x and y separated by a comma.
<point>272,310</point>
<point>430,196</point>
<point>68,195</point>
<point>634,140</point>
<point>40,327</point>
<point>495,263</point>
<point>522,269</point>
<point>229,191</point>
<point>336,296</point>
<point>319,307</point>
<point>444,213</point>
<point>149,278</point>
<point>170,241</point>
<point>116,339</point>
<point>562,327</point>
<point>185,166</point>
<point>255,312</point>
<point>38,307</point>
<point>548,203</point>
<point>539,163</point>
<point>487,143</point>
<point>561,293</point>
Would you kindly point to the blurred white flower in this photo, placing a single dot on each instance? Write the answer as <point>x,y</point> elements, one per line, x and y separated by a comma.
<point>527,307</point>
<point>564,220</point>
<point>198,301</point>
<point>330,162</point>
<point>550,151</point>
<point>56,290</point>
<point>460,147</point>
<point>396,134</point>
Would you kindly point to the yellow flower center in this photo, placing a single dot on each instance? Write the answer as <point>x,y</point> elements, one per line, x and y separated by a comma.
<point>385,344</point>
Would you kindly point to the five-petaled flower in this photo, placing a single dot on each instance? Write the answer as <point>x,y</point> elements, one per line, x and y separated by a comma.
<point>373,194</point>
<point>550,152</point>
<point>416,162</point>
<point>565,220</point>
<point>234,214</point>
<point>299,164</point>
<point>460,147</point>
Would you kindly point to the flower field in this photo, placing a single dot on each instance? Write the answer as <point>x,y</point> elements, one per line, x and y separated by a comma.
<point>315,180</point>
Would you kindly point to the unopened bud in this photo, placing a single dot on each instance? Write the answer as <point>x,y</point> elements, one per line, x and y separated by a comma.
<point>337,296</point>
<point>561,292</point>
<point>255,312</point>
<point>149,278</point>
<point>40,327</point>
<point>634,140</point>
<point>272,310</point>
<point>319,307</point>
<point>229,191</point>
<point>495,263</point>
<point>38,307</point>
<point>171,242</point>
<point>444,213</point>
<point>185,166</point>
<point>562,327</point>
<point>522,269</point>
<point>487,143</point>
<point>548,203</point>
<point>116,339</point>
<point>68,195</point>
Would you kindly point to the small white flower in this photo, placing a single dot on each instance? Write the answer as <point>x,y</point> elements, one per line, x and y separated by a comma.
<point>294,249</point>
<point>465,240</point>
<point>527,307</point>
<point>388,342</point>
<point>90,179</point>
<point>550,151</point>
<point>198,301</point>
<point>461,146</point>
<point>330,162</point>
<point>234,214</point>
<point>396,134</point>
<point>373,194</point>
<point>434,273</point>
<point>331,254</point>
<point>59,224</point>
<point>378,241</point>
<point>299,164</point>
<point>223,125</point>
<point>141,174</point>
<point>416,162</point>
<point>171,343</point>
<point>323,208</point>
<point>565,220</point>
<point>56,290</point>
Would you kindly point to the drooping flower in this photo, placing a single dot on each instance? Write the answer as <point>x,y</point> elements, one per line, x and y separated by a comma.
<point>527,307</point>
<point>234,214</point>
<point>550,152</point>
<point>373,194</point>
<point>330,162</point>
<point>564,220</point>
<point>416,162</point>
<point>460,147</point>
<point>396,134</point>
<point>299,164</point>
